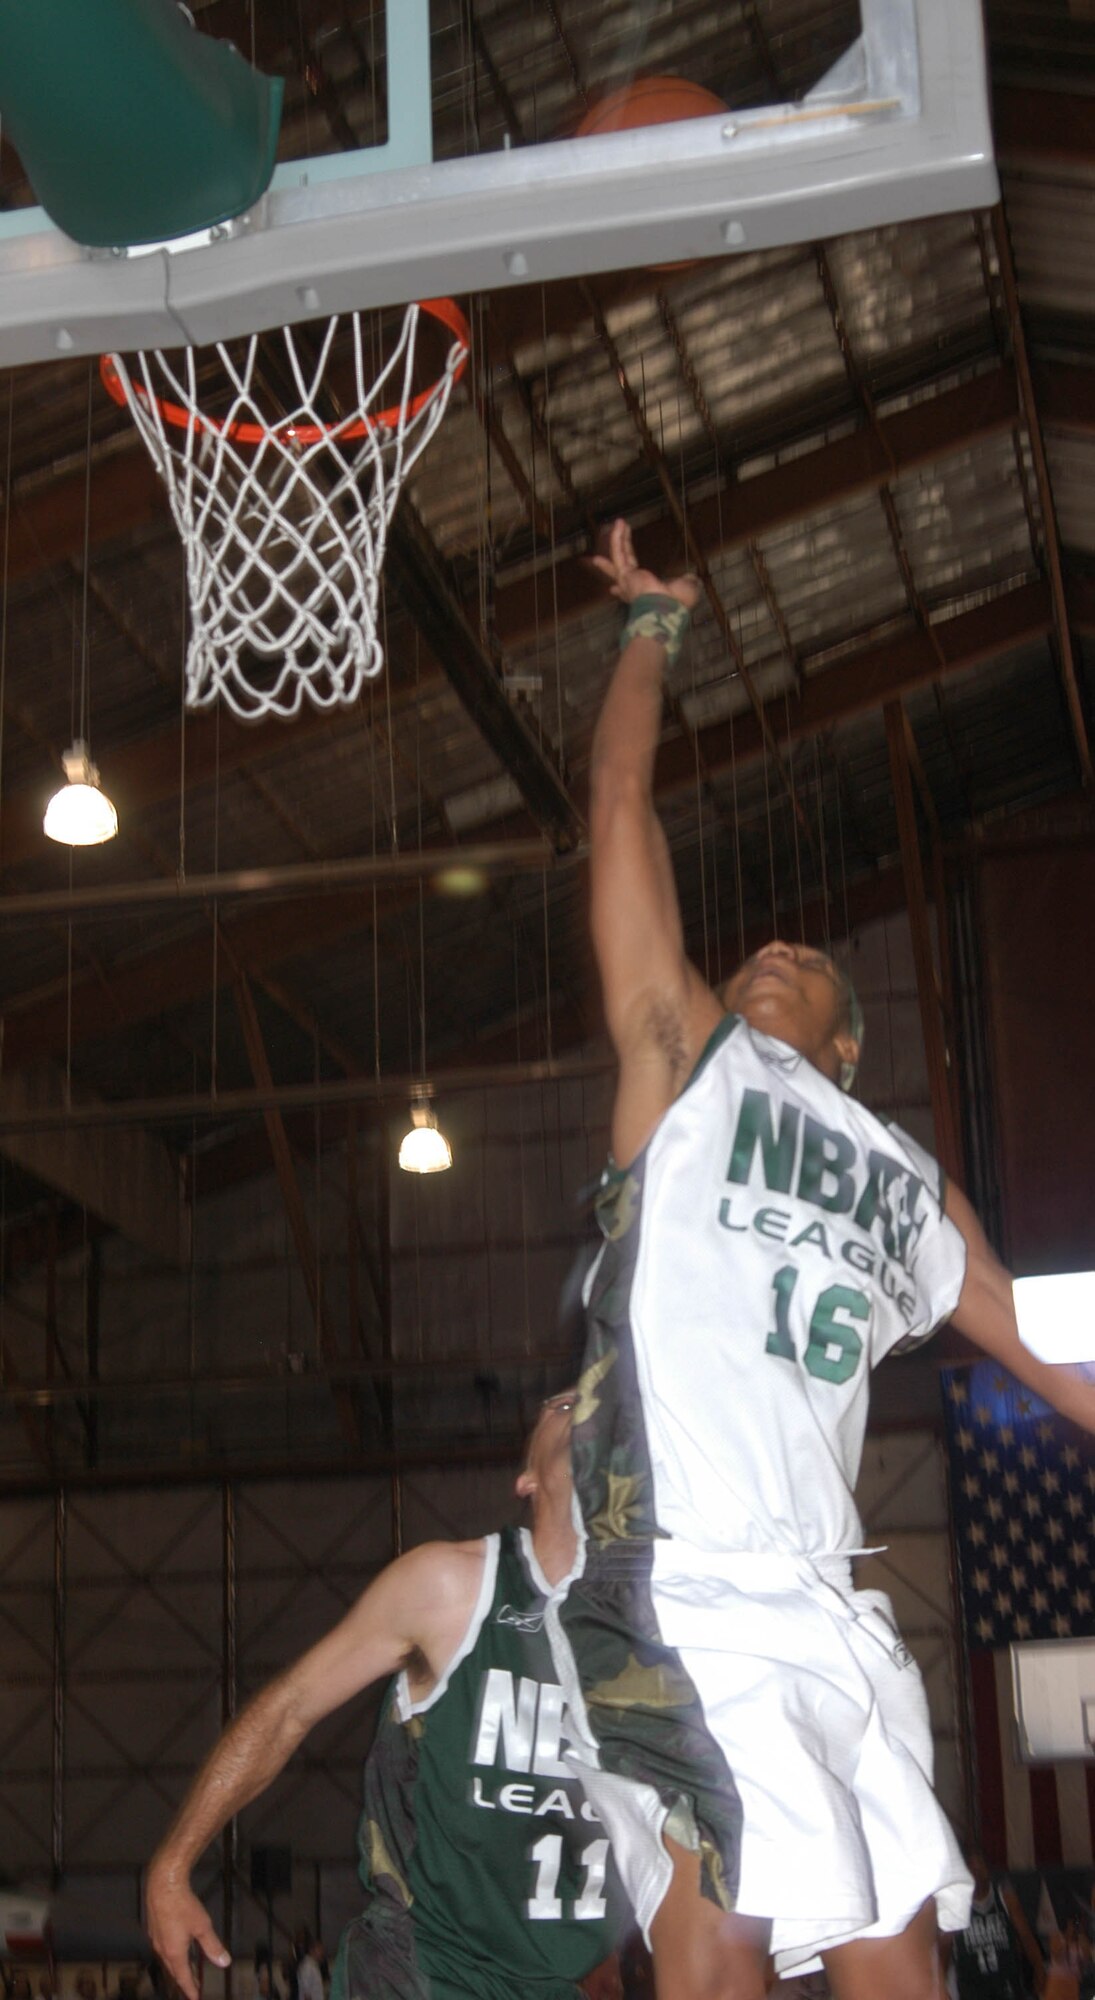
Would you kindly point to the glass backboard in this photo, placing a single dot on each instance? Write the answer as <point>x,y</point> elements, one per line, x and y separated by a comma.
<point>437,146</point>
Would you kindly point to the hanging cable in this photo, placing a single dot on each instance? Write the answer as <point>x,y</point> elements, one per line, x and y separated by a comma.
<point>4,604</point>
<point>819,786</point>
<point>182,729</point>
<point>561,750</point>
<point>794,815</point>
<point>547,971</point>
<point>81,726</point>
<point>216,901</point>
<point>393,826</point>
<point>840,837</point>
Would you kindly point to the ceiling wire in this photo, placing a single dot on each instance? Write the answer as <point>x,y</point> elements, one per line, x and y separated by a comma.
<point>214,1024</point>
<point>819,787</point>
<point>4,600</point>
<point>80,728</point>
<point>80,711</point>
<point>182,726</point>
<point>691,645</point>
<point>794,814</point>
<point>552,540</point>
<point>843,869</point>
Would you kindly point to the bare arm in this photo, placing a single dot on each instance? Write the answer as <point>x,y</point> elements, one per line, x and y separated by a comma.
<point>986,1312</point>
<point>419,1605</point>
<point>659,1011</point>
<point>1025,1935</point>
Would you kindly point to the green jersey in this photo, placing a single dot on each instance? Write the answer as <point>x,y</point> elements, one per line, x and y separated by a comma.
<point>488,1875</point>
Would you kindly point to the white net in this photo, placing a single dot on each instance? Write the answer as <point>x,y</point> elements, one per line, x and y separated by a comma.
<point>285,518</point>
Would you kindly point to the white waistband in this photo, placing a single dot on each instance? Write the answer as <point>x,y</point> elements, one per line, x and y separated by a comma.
<point>762,1570</point>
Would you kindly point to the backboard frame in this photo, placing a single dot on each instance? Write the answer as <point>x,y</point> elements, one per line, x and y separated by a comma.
<point>899,128</point>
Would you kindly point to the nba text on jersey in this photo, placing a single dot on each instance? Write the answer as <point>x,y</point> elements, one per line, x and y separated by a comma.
<point>810,1163</point>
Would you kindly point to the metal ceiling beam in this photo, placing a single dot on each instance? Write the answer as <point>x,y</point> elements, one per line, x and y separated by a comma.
<point>132,1185</point>
<point>414,570</point>
<point>394,1090</point>
<point>867,680</point>
<point>185,969</point>
<point>154,768</point>
<point>680,518</point>
<point>293,1200</point>
<point>867,899</point>
<point>188,969</point>
<point>48,523</point>
<point>927,982</point>
<point>48,526</point>
<point>861,463</point>
<point>500,857</point>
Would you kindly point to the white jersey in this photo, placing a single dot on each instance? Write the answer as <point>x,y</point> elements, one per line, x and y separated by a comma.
<point>787,1241</point>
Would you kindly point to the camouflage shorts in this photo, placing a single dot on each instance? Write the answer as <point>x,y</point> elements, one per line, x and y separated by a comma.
<point>644,1712</point>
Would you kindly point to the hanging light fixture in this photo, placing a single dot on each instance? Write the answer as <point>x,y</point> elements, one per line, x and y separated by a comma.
<point>80,814</point>
<point>425,1149</point>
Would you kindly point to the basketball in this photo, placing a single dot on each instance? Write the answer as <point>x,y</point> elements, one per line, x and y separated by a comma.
<point>651,100</point>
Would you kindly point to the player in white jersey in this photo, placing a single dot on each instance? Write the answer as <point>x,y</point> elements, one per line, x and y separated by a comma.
<point>753,1729</point>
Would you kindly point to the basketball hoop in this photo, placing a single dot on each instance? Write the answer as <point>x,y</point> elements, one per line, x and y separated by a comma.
<point>284,518</point>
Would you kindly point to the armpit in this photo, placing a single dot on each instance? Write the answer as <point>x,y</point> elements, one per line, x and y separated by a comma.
<point>665,1028</point>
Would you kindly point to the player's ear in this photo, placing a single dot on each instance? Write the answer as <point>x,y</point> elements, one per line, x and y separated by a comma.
<point>847,1049</point>
<point>525,1484</point>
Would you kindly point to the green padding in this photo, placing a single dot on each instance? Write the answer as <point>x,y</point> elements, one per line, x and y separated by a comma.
<point>132,127</point>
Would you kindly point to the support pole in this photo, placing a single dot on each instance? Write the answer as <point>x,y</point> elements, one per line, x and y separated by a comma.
<point>927,985</point>
<point>1029,405</point>
<point>294,1203</point>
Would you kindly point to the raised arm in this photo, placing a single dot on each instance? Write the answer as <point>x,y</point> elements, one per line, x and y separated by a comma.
<point>659,1010</point>
<point>420,1605</point>
<point>986,1312</point>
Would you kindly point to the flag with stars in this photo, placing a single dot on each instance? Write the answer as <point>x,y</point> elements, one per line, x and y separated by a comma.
<point>1023,1504</point>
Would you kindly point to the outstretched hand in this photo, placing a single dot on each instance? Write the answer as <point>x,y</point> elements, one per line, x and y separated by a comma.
<point>628,581</point>
<point>174,1917</point>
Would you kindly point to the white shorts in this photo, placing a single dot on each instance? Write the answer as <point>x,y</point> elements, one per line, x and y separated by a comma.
<point>820,1712</point>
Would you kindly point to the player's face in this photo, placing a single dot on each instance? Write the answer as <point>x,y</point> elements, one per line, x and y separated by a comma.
<point>795,993</point>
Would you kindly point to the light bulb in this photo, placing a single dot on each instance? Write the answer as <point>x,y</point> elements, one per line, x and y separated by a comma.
<point>425,1150</point>
<point>80,814</point>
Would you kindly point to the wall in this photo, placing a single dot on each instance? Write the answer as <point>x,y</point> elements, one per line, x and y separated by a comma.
<point>474,1264</point>
<point>1038,948</point>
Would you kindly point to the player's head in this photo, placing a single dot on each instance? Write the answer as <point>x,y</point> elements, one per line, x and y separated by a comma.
<point>546,1470</point>
<point>800,996</point>
<point>978,1867</point>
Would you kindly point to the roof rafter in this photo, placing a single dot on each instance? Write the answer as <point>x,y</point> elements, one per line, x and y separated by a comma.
<point>284,930</point>
<point>50,524</point>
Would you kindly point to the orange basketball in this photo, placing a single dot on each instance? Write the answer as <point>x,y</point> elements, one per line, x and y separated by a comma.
<point>651,100</point>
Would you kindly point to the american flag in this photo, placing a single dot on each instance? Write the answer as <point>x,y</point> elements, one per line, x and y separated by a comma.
<point>1023,1504</point>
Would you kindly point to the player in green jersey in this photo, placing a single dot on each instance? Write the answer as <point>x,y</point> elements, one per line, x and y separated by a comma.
<point>487,1875</point>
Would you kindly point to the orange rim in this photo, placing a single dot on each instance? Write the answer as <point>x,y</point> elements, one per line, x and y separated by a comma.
<point>445,310</point>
